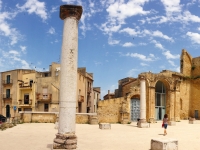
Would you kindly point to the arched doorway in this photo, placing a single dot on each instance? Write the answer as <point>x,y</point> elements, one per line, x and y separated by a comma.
<point>160,100</point>
<point>8,111</point>
<point>135,108</point>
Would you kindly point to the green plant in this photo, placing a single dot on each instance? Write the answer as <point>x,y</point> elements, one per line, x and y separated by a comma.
<point>129,123</point>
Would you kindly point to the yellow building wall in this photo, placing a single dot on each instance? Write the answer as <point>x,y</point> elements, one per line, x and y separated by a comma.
<point>109,110</point>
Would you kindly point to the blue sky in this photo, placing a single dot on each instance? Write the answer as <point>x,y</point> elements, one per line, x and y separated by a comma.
<point>117,38</point>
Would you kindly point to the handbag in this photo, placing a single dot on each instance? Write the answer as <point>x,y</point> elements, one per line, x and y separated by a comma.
<point>162,125</point>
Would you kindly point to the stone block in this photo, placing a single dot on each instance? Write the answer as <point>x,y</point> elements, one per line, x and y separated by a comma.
<point>143,125</point>
<point>93,120</point>
<point>172,123</point>
<point>104,126</point>
<point>164,144</point>
<point>194,121</point>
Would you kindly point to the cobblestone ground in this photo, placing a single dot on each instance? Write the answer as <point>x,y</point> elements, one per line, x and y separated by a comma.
<point>39,136</point>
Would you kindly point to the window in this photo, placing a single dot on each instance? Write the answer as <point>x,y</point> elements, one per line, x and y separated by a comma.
<point>31,82</point>
<point>7,93</point>
<point>8,79</point>
<point>46,107</point>
<point>26,98</point>
<point>45,93</point>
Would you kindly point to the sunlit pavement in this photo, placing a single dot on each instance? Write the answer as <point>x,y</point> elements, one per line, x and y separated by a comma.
<point>39,136</point>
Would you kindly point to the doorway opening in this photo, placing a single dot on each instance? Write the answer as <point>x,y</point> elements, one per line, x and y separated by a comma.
<point>160,100</point>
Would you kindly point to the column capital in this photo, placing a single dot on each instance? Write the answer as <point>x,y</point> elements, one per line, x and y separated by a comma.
<point>70,11</point>
<point>142,77</point>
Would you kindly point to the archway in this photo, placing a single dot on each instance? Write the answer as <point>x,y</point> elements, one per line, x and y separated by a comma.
<point>160,100</point>
<point>135,107</point>
<point>8,111</point>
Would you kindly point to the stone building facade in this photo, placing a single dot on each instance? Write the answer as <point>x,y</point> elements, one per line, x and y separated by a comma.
<point>29,90</point>
<point>167,92</point>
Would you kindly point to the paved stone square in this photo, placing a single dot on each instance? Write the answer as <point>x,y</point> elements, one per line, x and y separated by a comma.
<point>39,136</point>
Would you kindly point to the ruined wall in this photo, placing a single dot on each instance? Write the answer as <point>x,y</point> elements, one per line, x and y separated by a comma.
<point>195,97</point>
<point>109,110</point>
<point>185,89</point>
<point>196,67</point>
<point>186,63</point>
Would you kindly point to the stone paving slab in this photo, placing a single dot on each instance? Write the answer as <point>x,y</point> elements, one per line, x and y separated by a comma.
<point>39,136</point>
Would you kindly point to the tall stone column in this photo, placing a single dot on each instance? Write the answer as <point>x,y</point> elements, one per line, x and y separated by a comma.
<point>142,123</point>
<point>66,138</point>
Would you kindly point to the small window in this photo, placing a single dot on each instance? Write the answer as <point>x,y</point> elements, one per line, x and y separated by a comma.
<point>46,107</point>
<point>31,82</point>
<point>8,79</point>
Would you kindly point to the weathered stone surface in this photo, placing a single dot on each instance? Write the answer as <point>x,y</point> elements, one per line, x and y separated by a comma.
<point>104,126</point>
<point>68,142</point>
<point>59,141</point>
<point>164,144</point>
<point>70,136</point>
<point>58,146</point>
<point>72,146</point>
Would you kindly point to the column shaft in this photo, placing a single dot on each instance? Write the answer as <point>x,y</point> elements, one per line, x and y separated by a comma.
<point>68,78</point>
<point>142,100</point>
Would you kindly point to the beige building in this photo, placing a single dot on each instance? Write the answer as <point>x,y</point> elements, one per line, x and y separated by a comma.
<point>167,92</point>
<point>97,95</point>
<point>29,90</point>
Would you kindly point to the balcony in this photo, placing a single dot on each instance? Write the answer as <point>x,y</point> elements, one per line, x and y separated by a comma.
<point>25,102</point>
<point>25,85</point>
<point>80,98</point>
<point>8,82</point>
<point>7,97</point>
<point>89,89</point>
<point>43,97</point>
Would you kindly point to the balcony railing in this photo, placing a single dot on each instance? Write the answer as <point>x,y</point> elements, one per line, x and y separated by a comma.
<point>7,96</point>
<point>25,102</point>
<point>25,85</point>
<point>43,96</point>
<point>89,89</point>
<point>80,98</point>
<point>7,82</point>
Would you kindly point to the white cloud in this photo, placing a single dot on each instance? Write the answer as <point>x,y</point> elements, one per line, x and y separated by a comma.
<point>69,1</point>
<point>151,57</point>
<point>170,56</point>
<point>130,31</point>
<point>5,27</point>
<point>23,48</point>
<point>132,73</point>
<point>171,62</point>
<point>120,10</point>
<point>157,34</point>
<point>158,45</point>
<point>112,42</point>
<point>143,64</point>
<point>128,44</point>
<point>34,6</point>
<point>54,9</point>
<point>97,63</point>
<point>195,37</point>
<point>142,43</point>
<point>51,30</point>
<point>171,5</point>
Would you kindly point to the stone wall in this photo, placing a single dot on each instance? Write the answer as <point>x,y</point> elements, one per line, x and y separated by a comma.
<point>195,97</point>
<point>50,117</point>
<point>109,110</point>
<point>38,117</point>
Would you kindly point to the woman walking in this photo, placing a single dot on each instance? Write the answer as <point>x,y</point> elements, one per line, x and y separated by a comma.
<point>165,122</point>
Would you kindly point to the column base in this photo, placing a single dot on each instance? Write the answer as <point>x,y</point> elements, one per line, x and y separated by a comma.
<point>143,124</point>
<point>66,141</point>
